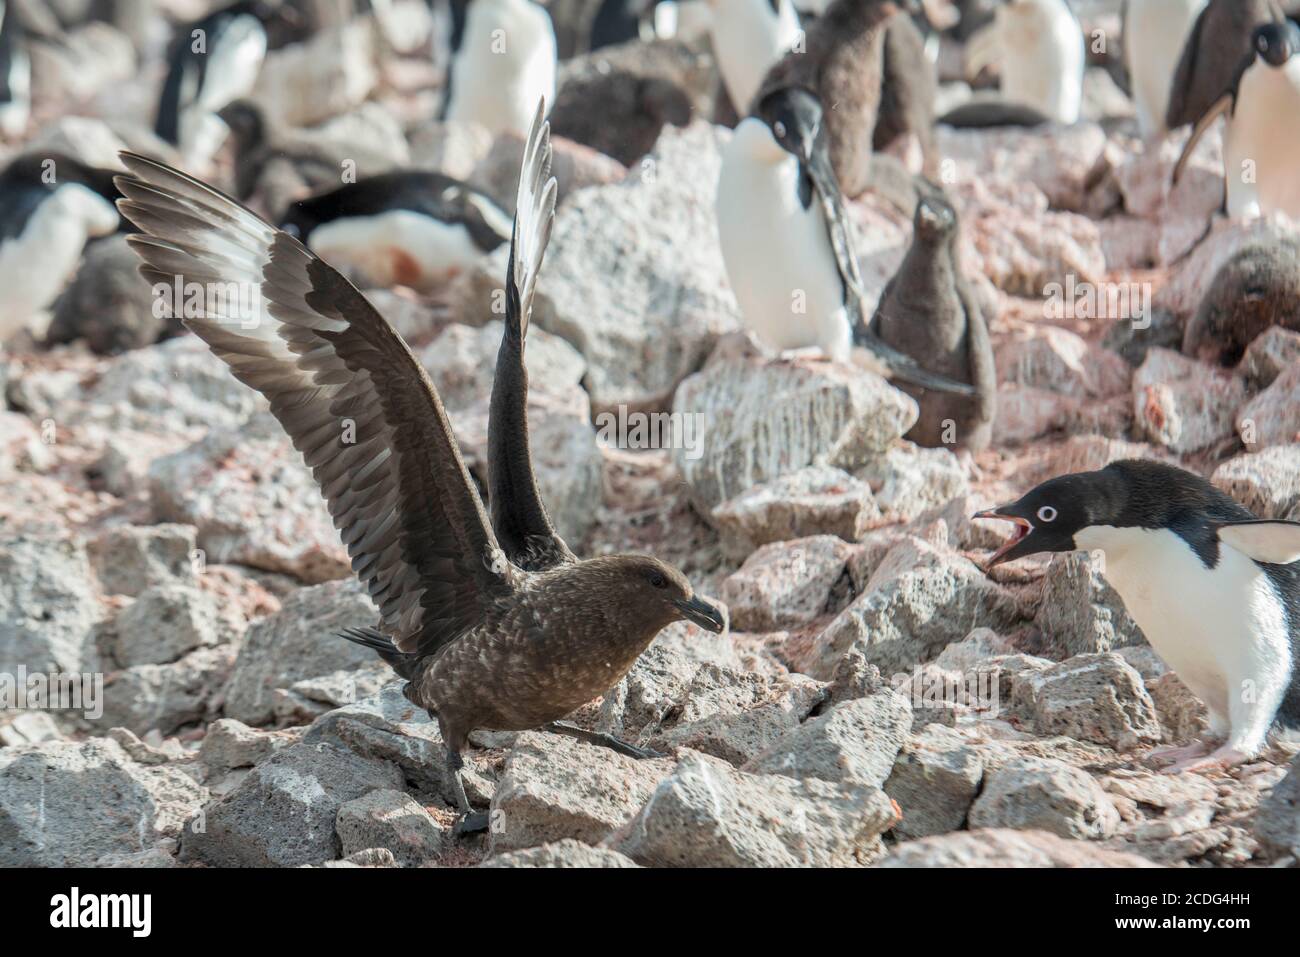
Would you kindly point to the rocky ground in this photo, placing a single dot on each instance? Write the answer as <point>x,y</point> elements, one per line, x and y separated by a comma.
<point>879,699</point>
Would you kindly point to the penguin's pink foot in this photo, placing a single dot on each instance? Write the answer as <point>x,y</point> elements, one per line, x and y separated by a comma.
<point>1174,755</point>
<point>1220,760</point>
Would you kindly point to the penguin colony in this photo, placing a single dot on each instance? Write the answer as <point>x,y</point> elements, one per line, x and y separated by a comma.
<point>828,145</point>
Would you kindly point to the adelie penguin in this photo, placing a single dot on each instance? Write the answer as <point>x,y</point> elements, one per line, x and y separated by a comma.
<point>213,61</point>
<point>1154,35</point>
<point>494,623</point>
<point>1038,48</point>
<point>15,75</point>
<point>50,205</point>
<point>842,61</point>
<point>928,311</point>
<point>503,62</point>
<point>786,242</point>
<point>1215,591</point>
<point>748,38</point>
<point>1262,139</point>
<point>1213,53</point>
<point>411,228</point>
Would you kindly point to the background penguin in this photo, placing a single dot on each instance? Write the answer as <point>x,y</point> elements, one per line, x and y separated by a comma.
<point>1219,41</point>
<point>785,241</point>
<point>15,75</point>
<point>50,204</point>
<point>842,62</point>
<point>283,165</point>
<point>213,61</point>
<point>1038,48</point>
<point>1257,288</point>
<point>503,62</point>
<point>907,89</point>
<point>1263,136</point>
<point>1213,589</point>
<point>748,37</point>
<point>1154,34</point>
<point>409,228</point>
<point>929,312</point>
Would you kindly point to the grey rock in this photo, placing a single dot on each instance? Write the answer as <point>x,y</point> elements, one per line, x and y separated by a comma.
<point>554,788</point>
<point>566,853</point>
<point>1271,352</point>
<point>391,820</point>
<point>1273,416</point>
<point>1277,822</point>
<point>1185,405</point>
<point>300,641</point>
<point>998,847</point>
<point>177,387</point>
<point>658,682</point>
<point>763,420</point>
<point>1267,482</point>
<point>916,601</point>
<point>1044,794</point>
<point>786,584</point>
<point>706,814</point>
<point>130,558</point>
<point>1093,697</point>
<point>165,623</point>
<point>48,607</point>
<point>47,821</point>
<point>233,744</point>
<point>1080,611</point>
<point>252,500</point>
<point>283,812</point>
<point>934,782</point>
<point>163,697</point>
<point>817,500</point>
<point>855,742</point>
<point>911,480</point>
<point>737,715</point>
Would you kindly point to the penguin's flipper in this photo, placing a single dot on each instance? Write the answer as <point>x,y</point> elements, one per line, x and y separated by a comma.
<point>1271,542</point>
<point>1183,83</point>
<point>1221,106</point>
<point>904,367</point>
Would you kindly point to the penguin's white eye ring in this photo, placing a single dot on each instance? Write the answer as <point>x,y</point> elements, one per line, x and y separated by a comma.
<point>778,128</point>
<point>1047,514</point>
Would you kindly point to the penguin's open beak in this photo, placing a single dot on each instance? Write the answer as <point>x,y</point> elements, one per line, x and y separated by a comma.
<point>704,613</point>
<point>1010,548</point>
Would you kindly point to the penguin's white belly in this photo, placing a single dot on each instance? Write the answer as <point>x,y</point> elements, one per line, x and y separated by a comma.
<point>748,38</point>
<point>236,60</point>
<point>16,111</point>
<point>1043,63</point>
<point>396,248</point>
<point>1262,143</point>
<point>1154,35</point>
<point>1217,628</point>
<point>505,65</point>
<point>37,263</point>
<point>778,257</point>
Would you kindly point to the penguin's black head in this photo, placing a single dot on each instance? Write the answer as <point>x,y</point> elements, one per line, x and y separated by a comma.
<point>1276,43</point>
<point>246,122</point>
<point>794,116</point>
<point>1047,517</point>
